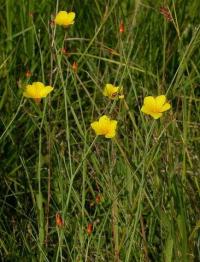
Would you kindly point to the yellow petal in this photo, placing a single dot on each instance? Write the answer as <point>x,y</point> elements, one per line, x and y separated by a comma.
<point>165,107</point>
<point>105,91</point>
<point>95,127</point>
<point>60,17</point>
<point>113,124</point>
<point>104,119</point>
<point>145,110</point>
<point>160,100</point>
<point>150,103</point>
<point>149,99</point>
<point>112,129</point>
<point>38,85</point>
<point>110,135</point>
<point>104,123</point>
<point>156,115</point>
<point>41,90</point>
<point>45,91</point>
<point>29,91</point>
<point>71,16</point>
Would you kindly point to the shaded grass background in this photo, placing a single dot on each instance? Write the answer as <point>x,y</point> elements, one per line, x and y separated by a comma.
<point>147,178</point>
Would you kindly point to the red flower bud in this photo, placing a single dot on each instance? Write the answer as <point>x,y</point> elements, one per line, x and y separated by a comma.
<point>121,27</point>
<point>28,74</point>
<point>59,221</point>
<point>75,66</point>
<point>89,228</point>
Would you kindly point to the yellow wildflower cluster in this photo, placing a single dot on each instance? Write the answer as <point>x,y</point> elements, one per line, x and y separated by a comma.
<point>153,106</point>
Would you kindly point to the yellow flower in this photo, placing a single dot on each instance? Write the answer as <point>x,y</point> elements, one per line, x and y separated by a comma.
<point>64,18</point>
<point>37,91</point>
<point>105,126</point>
<point>112,91</point>
<point>155,106</point>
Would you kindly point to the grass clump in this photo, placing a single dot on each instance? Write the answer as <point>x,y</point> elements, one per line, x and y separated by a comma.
<point>69,195</point>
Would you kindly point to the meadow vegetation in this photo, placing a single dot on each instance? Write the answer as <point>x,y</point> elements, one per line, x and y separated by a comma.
<point>68,194</point>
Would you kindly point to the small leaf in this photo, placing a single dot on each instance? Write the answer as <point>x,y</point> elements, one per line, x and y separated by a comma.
<point>169,249</point>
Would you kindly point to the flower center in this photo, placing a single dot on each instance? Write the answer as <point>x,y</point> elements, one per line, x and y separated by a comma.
<point>156,109</point>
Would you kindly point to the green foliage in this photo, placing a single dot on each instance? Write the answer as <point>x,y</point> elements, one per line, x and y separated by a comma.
<point>141,190</point>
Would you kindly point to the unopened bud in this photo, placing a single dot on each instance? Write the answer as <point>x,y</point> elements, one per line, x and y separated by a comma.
<point>89,228</point>
<point>121,27</point>
<point>75,66</point>
<point>28,74</point>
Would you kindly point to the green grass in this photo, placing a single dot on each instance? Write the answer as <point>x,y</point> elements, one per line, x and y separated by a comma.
<point>147,177</point>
